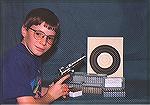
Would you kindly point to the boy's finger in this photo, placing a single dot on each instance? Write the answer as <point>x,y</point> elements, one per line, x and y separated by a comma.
<point>62,79</point>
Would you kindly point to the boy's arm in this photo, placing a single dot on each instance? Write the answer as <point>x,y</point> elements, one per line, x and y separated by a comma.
<point>46,99</point>
<point>53,92</point>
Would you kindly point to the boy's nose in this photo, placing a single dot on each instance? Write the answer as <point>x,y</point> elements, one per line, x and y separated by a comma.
<point>43,41</point>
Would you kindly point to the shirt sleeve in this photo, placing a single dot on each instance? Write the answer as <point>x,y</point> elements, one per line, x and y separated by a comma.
<point>16,78</point>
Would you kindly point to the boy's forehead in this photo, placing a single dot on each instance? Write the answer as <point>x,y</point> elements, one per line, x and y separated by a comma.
<point>44,28</point>
<point>42,25</point>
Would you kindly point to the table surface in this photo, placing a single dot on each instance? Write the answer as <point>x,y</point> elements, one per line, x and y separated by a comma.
<point>137,92</point>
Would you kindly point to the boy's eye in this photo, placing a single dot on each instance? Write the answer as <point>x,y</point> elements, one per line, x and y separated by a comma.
<point>39,33</point>
<point>50,38</point>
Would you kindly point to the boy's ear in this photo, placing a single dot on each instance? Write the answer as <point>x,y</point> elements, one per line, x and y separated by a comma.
<point>23,31</point>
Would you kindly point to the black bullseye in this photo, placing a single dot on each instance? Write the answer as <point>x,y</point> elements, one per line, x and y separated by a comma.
<point>105,49</point>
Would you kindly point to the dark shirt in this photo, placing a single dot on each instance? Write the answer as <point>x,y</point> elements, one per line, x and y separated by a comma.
<point>21,72</point>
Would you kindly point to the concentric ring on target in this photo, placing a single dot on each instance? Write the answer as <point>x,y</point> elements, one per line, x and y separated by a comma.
<point>105,49</point>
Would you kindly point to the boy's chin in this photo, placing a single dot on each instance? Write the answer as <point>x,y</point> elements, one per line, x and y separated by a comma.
<point>38,54</point>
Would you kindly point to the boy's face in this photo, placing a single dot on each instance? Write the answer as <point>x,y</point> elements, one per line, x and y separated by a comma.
<point>38,39</point>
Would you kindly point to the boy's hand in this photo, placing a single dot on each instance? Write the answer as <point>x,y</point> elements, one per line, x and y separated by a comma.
<point>59,89</point>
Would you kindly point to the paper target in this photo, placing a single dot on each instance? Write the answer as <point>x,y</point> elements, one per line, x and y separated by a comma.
<point>105,59</point>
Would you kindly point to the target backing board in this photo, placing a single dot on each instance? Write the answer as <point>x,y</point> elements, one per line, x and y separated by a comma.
<point>105,56</point>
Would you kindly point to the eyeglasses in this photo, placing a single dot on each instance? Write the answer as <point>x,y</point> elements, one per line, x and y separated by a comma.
<point>38,35</point>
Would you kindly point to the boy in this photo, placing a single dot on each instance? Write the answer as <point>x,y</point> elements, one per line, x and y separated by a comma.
<point>22,64</point>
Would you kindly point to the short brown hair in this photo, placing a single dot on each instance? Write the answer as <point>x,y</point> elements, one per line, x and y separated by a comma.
<point>39,15</point>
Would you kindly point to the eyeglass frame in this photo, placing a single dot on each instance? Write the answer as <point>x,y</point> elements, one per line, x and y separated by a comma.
<point>48,36</point>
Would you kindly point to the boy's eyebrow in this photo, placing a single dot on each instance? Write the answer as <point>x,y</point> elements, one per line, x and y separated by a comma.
<point>51,35</point>
<point>40,31</point>
<point>45,34</point>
